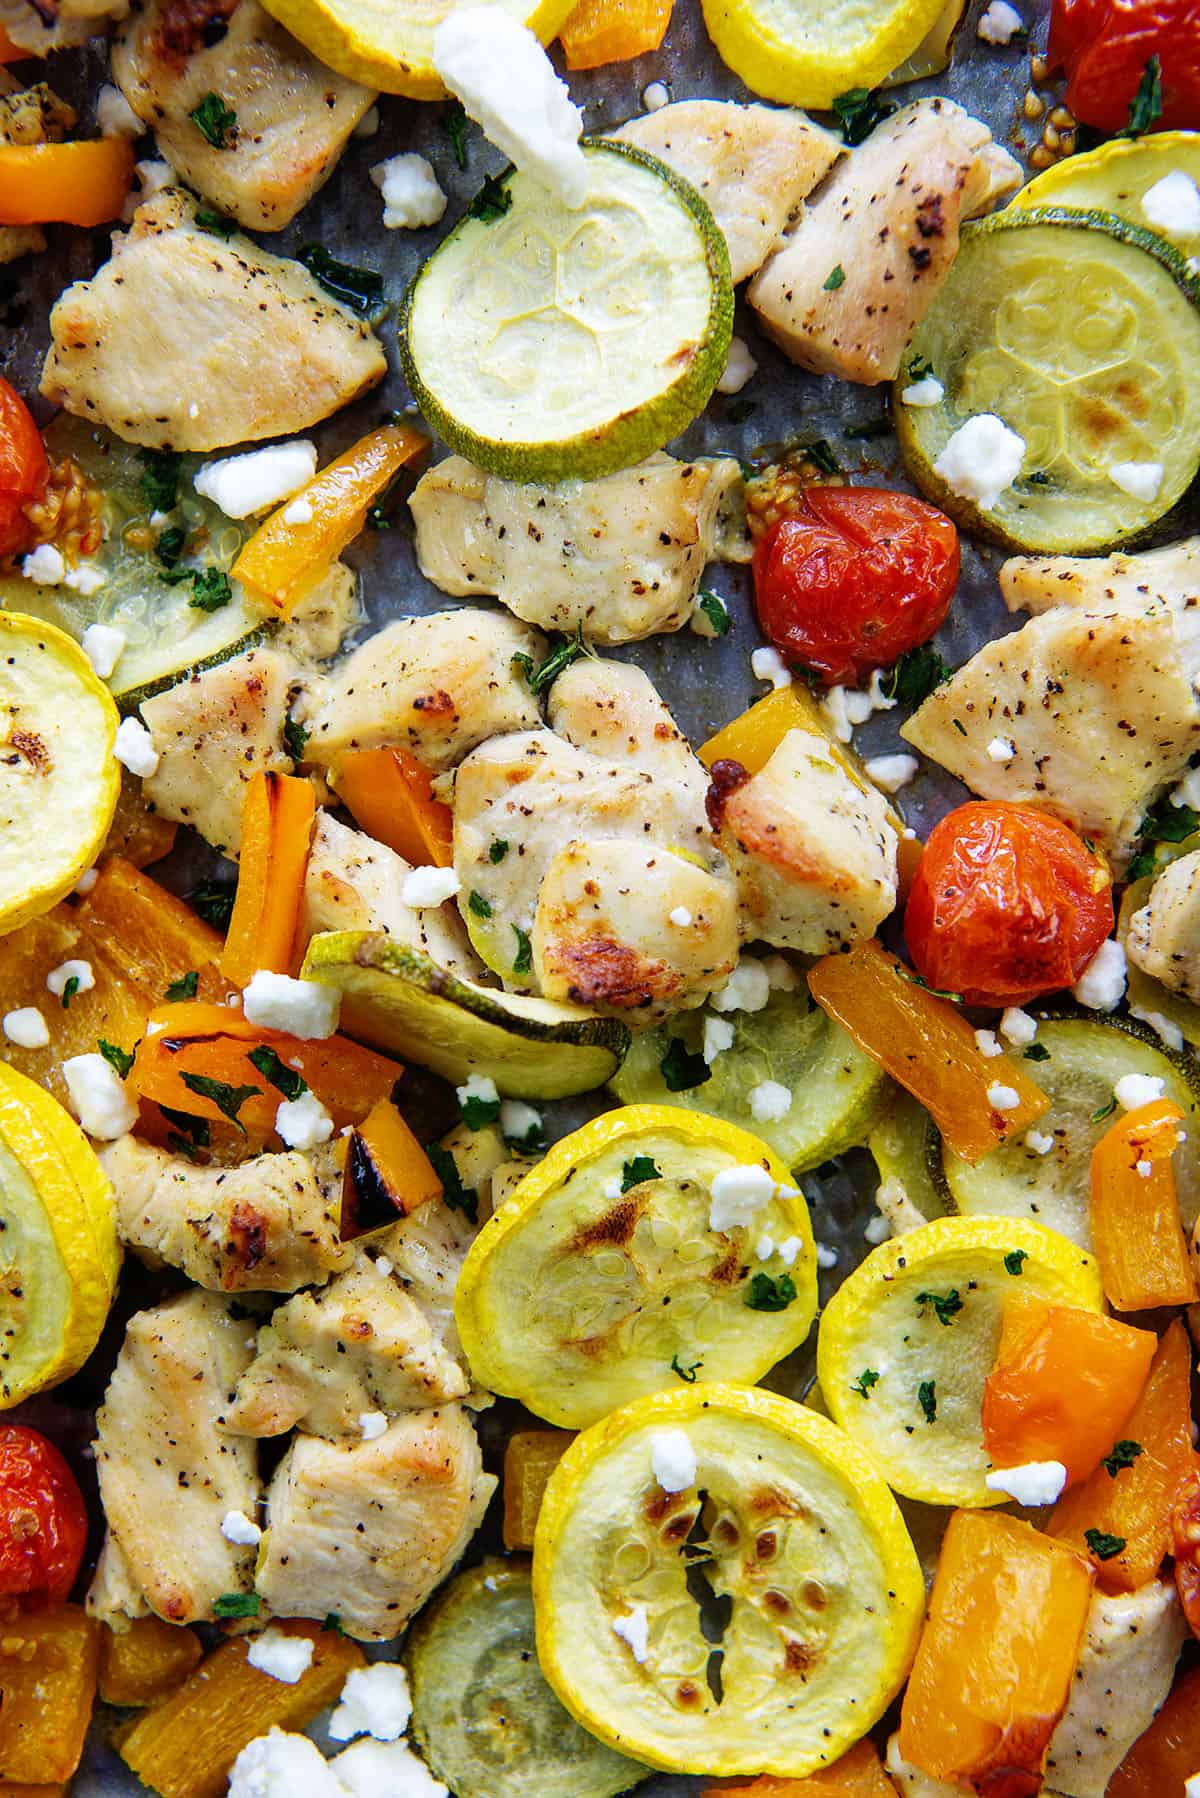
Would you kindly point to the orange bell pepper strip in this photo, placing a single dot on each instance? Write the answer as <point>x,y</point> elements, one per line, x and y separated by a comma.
<point>389,793</point>
<point>600,31</point>
<point>150,937</point>
<point>1163,1758</point>
<point>1122,1520</point>
<point>755,734</point>
<point>1062,1386</point>
<point>277,825</point>
<point>282,561</point>
<point>994,1664</point>
<point>858,1774</point>
<point>71,184</point>
<point>529,1460</point>
<point>1136,1230</point>
<point>922,1041</point>
<point>388,1174</point>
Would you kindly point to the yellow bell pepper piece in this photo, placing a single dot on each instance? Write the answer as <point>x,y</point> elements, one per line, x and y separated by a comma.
<point>71,184</point>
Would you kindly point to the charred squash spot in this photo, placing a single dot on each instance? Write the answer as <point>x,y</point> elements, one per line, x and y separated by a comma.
<point>728,1270</point>
<point>769,1501</point>
<point>28,747</point>
<point>687,1694</point>
<point>616,1227</point>
<point>798,1657</point>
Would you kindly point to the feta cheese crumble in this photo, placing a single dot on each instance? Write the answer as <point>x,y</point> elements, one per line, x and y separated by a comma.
<point>635,1629</point>
<point>78,971</point>
<point>672,1459</point>
<point>988,1044</point>
<point>764,1248</point>
<point>1018,1027</point>
<point>297,1007</point>
<point>87,881</point>
<point>768,664</point>
<point>424,888</point>
<point>1001,749</point>
<point>370,1769</point>
<point>115,116</point>
<point>877,1230</point>
<point>1141,480</point>
<point>98,1098</point>
<point>928,391</point>
<point>26,1027</point>
<point>891,772</point>
<point>86,579</point>
<point>681,917</point>
<point>412,196</point>
<point>738,1195</point>
<point>299,512</point>
<point>477,1086</point>
<point>747,989</point>
<point>1033,1483</point>
<point>44,565</point>
<point>781,975</point>
<point>518,1121</point>
<point>826,1257</point>
<point>1133,1090</point>
<point>1162,1026</point>
<point>1172,205</point>
<point>375,1701</point>
<point>718,1036</point>
<point>134,748</point>
<point>789,1248</point>
<point>1102,982</point>
<point>1038,1143</point>
<point>373,1425</point>
<point>1145,1169</point>
<point>1003,1098</point>
<point>770,1101</point>
<point>981,460</point>
<point>507,84</point>
<point>739,368</point>
<point>1000,23</point>
<point>282,1765</point>
<point>244,485</point>
<point>241,1530</point>
<point>285,1658</point>
<point>304,1122</point>
<point>102,644</point>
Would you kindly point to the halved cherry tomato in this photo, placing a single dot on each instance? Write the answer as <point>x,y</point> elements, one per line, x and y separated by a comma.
<point>23,469</point>
<point>853,577</point>
<point>1104,46</point>
<point>1006,903</point>
<point>43,1523</point>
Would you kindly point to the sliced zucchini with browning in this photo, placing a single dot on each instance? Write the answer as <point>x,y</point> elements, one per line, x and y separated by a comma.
<point>901,1141</point>
<point>908,1340</point>
<point>783,1629</point>
<point>652,1246</point>
<point>835,1090</point>
<point>1085,1057</point>
<point>397,999</point>
<point>483,1716</point>
<point>166,636</point>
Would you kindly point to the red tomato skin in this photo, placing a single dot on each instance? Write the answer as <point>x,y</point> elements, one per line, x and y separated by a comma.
<point>43,1520</point>
<point>1005,906</point>
<point>1104,46</point>
<point>853,578</point>
<point>24,469</point>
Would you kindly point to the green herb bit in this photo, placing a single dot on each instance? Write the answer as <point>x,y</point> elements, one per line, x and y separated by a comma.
<point>1105,1111</point>
<point>1146,106</point>
<point>866,1379</point>
<point>457,1196</point>
<point>1037,1052</point>
<point>213,901</point>
<point>492,201</point>
<point>681,1069</point>
<point>916,674</point>
<point>214,121</point>
<point>1167,823</point>
<point>834,278</point>
<point>927,1399</point>
<point>687,1373</point>
<point>210,590</point>
<point>477,1112</point>
<point>334,1623</point>
<point>497,850</point>
<point>1144,862</point>
<point>1102,1545</point>
<point>915,979</point>
<point>946,1305</point>
<point>523,961</point>
<point>215,223</point>
<point>193,1127</point>
<point>170,545</point>
<point>283,1078</point>
<point>766,1294</point>
<point>566,651</point>
<point>1014,1261</point>
<point>120,1060</point>
<point>159,479</point>
<point>295,738</point>
<point>858,111</point>
<point>237,1604</point>
<point>361,289</point>
<point>227,1099</point>
<point>640,1168</point>
<point>821,452</point>
<point>70,988</point>
<point>870,427</point>
<point>716,611</point>
<point>1121,1455</point>
<point>454,119</point>
<point>919,368</point>
<point>478,906</point>
<point>185,987</point>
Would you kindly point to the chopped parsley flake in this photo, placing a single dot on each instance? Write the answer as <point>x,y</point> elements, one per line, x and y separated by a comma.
<point>214,121</point>
<point>1014,1261</point>
<point>927,1399</point>
<point>766,1294</point>
<point>1121,1455</point>
<point>866,1379</point>
<point>183,988</point>
<point>681,1069</point>
<point>945,1304</point>
<point>1102,1545</point>
<point>284,1079</point>
<point>636,1171</point>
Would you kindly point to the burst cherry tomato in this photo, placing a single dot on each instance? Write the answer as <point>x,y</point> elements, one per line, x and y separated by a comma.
<point>1104,45</point>
<point>23,469</point>
<point>1007,903</point>
<point>853,578</point>
<point>43,1523</point>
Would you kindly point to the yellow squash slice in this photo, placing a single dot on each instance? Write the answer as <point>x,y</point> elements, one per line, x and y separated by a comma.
<point>58,779</point>
<point>58,1247</point>
<point>603,1277</point>
<point>1116,176</point>
<point>908,1340</point>
<point>808,52</point>
<point>788,1538</point>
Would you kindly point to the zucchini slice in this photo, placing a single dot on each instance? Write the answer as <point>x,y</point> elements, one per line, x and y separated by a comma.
<point>1115,176</point>
<point>166,638</point>
<point>1087,1056</point>
<point>922,1315</point>
<point>397,999</point>
<point>547,344</point>
<point>787,1525</point>
<point>603,1276</point>
<point>483,1716</point>
<point>1082,333</point>
<point>901,1142</point>
<point>836,1089</point>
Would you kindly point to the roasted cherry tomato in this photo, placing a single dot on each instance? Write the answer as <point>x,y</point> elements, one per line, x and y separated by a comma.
<point>1007,903</point>
<point>23,469</point>
<point>1104,46</point>
<point>854,577</point>
<point>43,1523</point>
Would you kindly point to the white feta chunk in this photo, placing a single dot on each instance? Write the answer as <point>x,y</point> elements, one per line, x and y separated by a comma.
<point>1172,205</point>
<point>102,645</point>
<point>519,1122</point>
<point>26,1027</point>
<point>372,1425</point>
<point>86,579</point>
<point>44,565</point>
<point>1001,749</point>
<point>285,1658</point>
<point>673,1459</point>
<point>789,1248</point>
<point>981,460</point>
<point>58,979</point>
<point>928,391</point>
<point>262,478</point>
<point>826,1257</point>
<point>738,1195</point>
<point>764,1248</point>
<point>770,1101</point>
<point>1000,23</point>
<point>1144,1168</point>
<point>781,975</point>
<point>424,888</point>
<point>304,1122</point>
<point>747,989</point>
<point>767,664</point>
<point>282,1765</point>
<point>739,367</point>
<point>480,1087</point>
<point>1033,1483</point>
<point>877,1230</point>
<point>891,772</point>
<point>1003,1098</point>
<point>1038,1143</point>
<point>1141,480</point>
<point>1102,982</point>
<point>241,1530</point>
<point>1134,1090</point>
<point>299,512</point>
<point>134,748</point>
<point>370,1769</point>
<point>1018,1027</point>
<point>681,917</point>
<point>98,1098</point>
<point>718,1036</point>
<point>988,1044</point>
<point>1162,1026</point>
<point>375,1701</point>
<point>115,116</point>
<point>412,195</point>
<point>612,1188</point>
<point>87,881</point>
<point>635,1629</point>
<point>301,1008</point>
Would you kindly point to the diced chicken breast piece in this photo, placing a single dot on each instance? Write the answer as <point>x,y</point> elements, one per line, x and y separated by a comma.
<point>849,284</point>
<point>268,1225</point>
<point>321,618</point>
<point>114,1596</point>
<point>1128,583</point>
<point>31,115</point>
<point>56,24</point>
<point>1164,936</point>
<point>813,853</point>
<point>753,165</point>
<point>622,556</point>
<point>353,883</point>
<point>168,1468</point>
<point>294,115</point>
<point>1098,706</point>
<point>213,732</point>
<point>428,1247</point>
<point>1130,1646</point>
<point>602,816</point>
<point>185,341</point>
<point>361,1344</point>
<point>436,685</point>
<point>367,1529</point>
